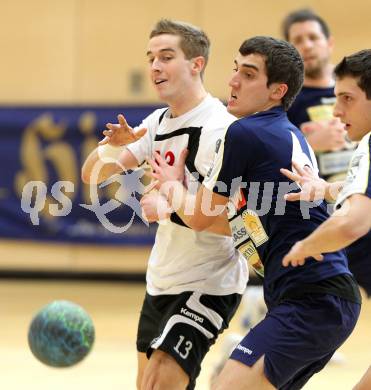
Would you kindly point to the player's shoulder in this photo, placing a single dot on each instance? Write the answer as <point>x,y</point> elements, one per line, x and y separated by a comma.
<point>157,115</point>
<point>153,120</point>
<point>366,141</point>
<point>219,112</point>
<point>242,127</point>
<point>218,118</point>
<point>364,147</point>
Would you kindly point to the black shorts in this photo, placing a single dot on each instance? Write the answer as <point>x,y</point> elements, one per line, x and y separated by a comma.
<point>184,326</point>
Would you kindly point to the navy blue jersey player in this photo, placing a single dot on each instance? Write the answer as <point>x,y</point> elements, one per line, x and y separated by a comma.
<point>311,309</point>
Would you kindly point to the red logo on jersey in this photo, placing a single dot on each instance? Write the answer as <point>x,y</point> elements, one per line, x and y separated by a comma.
<point>241,201</point>
<point>169,157</point>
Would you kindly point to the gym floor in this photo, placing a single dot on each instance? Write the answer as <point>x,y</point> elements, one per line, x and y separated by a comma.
<point>114,308</point>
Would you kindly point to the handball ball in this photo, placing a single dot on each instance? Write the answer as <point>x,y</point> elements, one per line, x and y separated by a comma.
<point>61,334</point>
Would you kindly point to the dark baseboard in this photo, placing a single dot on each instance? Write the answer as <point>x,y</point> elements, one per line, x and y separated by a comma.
<point>72,275</point>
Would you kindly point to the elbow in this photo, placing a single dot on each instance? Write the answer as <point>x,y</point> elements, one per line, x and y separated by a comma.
<point>352,232</point>
<point>85,177</point>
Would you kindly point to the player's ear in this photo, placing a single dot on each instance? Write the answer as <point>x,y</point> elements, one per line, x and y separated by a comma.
<point>198,64</point>
<point>330,43</point>
<point>278,91</point>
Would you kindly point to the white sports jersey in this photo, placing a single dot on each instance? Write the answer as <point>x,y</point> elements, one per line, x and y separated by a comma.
<point>181,258</point>
<point>358,180</point>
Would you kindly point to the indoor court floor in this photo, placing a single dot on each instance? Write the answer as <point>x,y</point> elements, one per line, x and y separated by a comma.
<point>114,308</point>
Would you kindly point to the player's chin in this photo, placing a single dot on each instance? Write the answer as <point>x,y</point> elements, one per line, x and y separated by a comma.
<point>232,109</point>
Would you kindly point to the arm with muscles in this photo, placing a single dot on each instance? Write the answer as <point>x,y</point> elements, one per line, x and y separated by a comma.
<point>312,186</point>
<point>111,156</point>
<point>203,211</point>
<point>345,226</point>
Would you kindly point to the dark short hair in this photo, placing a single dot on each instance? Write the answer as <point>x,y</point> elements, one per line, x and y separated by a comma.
<point>300,16</point>
<point>358,66</point>
<point>282,61</point>
<point>193,41</point>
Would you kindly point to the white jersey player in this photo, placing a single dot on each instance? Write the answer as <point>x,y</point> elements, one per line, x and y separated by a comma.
<point>194,279</point>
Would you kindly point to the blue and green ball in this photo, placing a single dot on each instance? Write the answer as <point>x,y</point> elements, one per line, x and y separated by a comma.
<point>61,334</point>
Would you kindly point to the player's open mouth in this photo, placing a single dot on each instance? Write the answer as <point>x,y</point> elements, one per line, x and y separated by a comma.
<point>157,82</point>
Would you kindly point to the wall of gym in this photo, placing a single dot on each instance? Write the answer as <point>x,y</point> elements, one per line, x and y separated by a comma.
<point>93,51</point>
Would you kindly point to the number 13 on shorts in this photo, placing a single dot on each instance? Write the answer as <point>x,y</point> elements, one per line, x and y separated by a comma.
<point>186,347</point>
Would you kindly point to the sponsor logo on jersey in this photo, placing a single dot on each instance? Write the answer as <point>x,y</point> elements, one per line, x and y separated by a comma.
<point>189,314</point>
<point>250,253</point>
<point>244,349</point>
<point>238,230</point>
<point>254,227</point>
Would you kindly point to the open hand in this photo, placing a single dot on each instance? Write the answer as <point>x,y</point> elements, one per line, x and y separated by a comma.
<point>312,187</point>
<point>121,133</point>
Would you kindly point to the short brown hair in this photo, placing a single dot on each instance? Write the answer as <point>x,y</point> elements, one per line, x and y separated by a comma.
<point>282,61</point>
<point>193,41</point>
<point>301,16</point>
<point>357,66</point>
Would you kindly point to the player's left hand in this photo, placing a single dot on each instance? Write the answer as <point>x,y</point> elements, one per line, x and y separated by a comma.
<point>298,255</point>
<point>155,207</point>
<point>163,172</point>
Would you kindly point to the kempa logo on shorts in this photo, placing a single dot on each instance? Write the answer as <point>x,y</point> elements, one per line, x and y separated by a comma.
<point>189,314</point>
<point>244,349</point>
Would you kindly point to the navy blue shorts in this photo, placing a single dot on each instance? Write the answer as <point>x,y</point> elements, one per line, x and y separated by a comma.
<point>298,338</point>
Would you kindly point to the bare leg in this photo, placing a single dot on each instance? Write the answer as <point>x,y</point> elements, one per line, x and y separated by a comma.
<point>238,376</point>
<point>142,364</point>
<point>365,382</point>
<point>163,373</point>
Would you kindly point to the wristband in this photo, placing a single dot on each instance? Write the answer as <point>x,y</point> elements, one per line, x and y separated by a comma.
<point>108,153</point>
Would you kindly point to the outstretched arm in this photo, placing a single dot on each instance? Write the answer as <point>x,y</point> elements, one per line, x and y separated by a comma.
<point>345,226</point>
<point>312,186</point>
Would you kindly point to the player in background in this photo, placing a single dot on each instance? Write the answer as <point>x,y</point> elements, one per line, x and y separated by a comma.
<point>312,110</point>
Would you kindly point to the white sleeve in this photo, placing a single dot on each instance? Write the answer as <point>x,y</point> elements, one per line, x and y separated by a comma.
<point>143,148</point>
<point>358,176</point>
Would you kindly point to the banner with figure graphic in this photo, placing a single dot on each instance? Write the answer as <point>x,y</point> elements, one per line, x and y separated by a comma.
<point>41,193</point>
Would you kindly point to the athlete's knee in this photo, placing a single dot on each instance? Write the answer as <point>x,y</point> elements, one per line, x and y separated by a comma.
<point>238,376</point>
<point>164,373</point>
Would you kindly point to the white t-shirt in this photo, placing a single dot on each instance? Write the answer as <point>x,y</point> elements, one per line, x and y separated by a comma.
<point>358,176</point>
<point>181,258</point>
